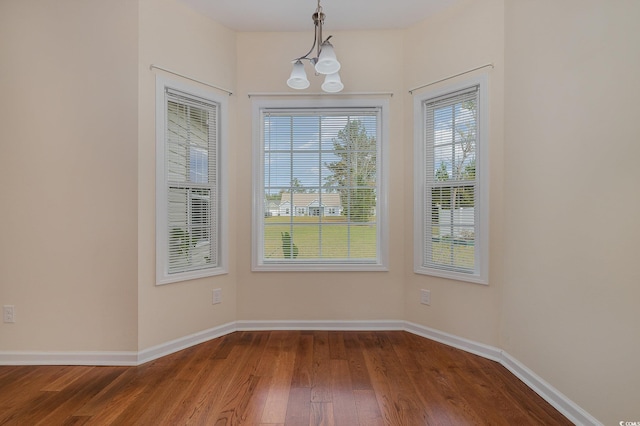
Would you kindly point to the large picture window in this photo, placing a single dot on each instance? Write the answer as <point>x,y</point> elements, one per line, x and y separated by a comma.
<point>189,213</point>
<point>451,213</point>
<point>319,187</point>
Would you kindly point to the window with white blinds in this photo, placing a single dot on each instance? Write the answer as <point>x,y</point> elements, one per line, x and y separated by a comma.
<point>319,193</point>
<point>189,243</point>
<point>451,201</point>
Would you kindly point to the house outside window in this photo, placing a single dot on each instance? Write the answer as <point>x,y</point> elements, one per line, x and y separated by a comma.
<point>451,182</point>
<point>190,191</point>
<point>324,163</point>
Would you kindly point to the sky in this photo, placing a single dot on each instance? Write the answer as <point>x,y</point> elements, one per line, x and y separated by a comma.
<point>308,141</point>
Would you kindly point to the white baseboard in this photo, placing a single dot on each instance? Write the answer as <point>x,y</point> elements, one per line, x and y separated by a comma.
<point>68,358</point>
<point>557,399</point>
<point>466,345</point>
<point>113,358</point>
<point>554,397</point>
<point>176,345</point>
<point>376,325</point>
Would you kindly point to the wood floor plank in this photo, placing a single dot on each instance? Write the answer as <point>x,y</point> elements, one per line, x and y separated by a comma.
<point>429,373</point>
<point>298,406</point>
<point>114,395</point>
<point>21,386</point>
<point>337,348</point>
<point>252,414</point>
<point>159,407</point>
<point>369,413</point>
<point>147,379</point>
<point>395,393</point>
<point>322,414</point>
<point>435,382</point>
<point>243,381</point>
<point>488,401</point>
<point>275,407</point>
<point>68,376</point>
<point>357,367</point>
<point>287,378</point>
<point>270,348</point>
<point>109,404</point>
<point>211,400</point>
<point>31,410</point>
<point>303,367</point>
<point>193,364</point>
<point>321,371</point>
<point>76,421</point>
<point>64,403</point>
<point>520,395</point>
<point>344,403</point>
<point>226,345</point>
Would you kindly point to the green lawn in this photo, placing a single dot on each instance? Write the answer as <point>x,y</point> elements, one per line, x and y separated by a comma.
<point>335,239</point>
<point>338,239</point>
<point>452,254</point>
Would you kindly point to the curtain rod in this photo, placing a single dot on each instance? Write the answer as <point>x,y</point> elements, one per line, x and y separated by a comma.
<point>152,66</point>
<point>450,77</point>
<point>320,94</point>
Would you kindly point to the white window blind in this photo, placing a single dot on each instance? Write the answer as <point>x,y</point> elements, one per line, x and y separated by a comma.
<point>191,183</point>
<point>188,196</point>
<point>320,186</point>
<point>452,201</point>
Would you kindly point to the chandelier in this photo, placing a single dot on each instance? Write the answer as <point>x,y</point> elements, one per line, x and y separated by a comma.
<point>325,61</point>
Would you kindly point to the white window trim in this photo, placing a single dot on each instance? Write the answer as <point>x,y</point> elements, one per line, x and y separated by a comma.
<point>257,262</point>
<point>162,274</point>
<point>481,273</point>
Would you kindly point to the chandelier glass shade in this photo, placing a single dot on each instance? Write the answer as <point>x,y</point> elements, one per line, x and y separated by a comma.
<point>332,83</point>
<point>325,61</point>
<point>298,78</point>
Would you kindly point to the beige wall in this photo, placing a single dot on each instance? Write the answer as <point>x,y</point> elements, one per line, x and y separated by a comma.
<point>462,38</point>
<point>264,64</point>
<point>175,37</point>
<point>68,152</point>
<point>571,199</point>
<point>77,162</point>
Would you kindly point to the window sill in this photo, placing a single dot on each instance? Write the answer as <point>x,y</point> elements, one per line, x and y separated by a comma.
<point>458,276</point>
<point>191,275</point>
<point>319,267</point>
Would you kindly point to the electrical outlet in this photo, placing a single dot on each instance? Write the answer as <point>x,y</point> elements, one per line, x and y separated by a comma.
<point>9,313</point>
<point>425,297</point>
<point>217,296</point>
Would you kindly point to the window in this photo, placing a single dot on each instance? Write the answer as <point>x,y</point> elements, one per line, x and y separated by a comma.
<point>324,166</point>
<point>190,236</point>
<point>451,194</point>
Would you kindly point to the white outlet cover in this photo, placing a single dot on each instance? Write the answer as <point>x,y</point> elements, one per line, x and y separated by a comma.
<point>8,314</point>
<point>217,296</point>
<point>425,297</point>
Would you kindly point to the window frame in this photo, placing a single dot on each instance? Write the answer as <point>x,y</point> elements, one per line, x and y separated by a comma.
<point>258,211</point>
<point>163,276</point>
<point>422,215</point>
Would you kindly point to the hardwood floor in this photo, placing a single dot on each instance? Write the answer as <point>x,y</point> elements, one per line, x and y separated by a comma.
<point>281,378</point>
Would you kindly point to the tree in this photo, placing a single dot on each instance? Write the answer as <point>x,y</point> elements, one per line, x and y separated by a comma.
<point>440,196</point>
<point>354,173</point>
<point>297,187</point>
<point>464,167</point>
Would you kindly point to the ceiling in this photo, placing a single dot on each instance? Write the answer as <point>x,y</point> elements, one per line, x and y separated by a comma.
<point>295,15</point>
